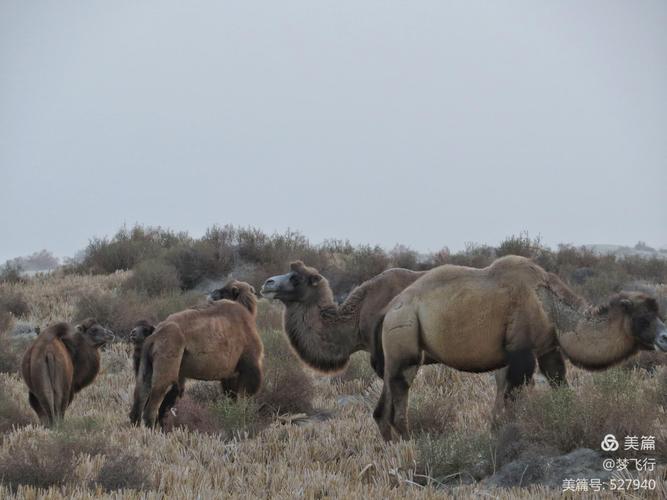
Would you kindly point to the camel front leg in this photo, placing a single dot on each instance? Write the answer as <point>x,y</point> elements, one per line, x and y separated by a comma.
<point>517,374</point>
<point>552,366</point>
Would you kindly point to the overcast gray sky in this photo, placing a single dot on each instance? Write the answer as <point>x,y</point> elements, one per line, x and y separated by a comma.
<point>428,123</point>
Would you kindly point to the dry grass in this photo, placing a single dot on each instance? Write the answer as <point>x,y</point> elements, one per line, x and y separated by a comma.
<point>217,447</point>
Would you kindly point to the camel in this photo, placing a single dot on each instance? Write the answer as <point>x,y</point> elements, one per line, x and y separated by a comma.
<point>325,335</point>
<point>59,363</point>
<point>141,331</point>
<point>503,316</point>
<point>237,291</point>
<point>218,342</point>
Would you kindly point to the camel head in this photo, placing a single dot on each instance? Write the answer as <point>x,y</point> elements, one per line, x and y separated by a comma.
<point>141,330</point>
<point>94,333</point>
<point>302,284</point>
<point>638,316</point>
<point>231,291</point>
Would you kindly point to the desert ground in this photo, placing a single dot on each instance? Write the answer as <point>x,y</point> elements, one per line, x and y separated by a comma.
<point>306,434</point>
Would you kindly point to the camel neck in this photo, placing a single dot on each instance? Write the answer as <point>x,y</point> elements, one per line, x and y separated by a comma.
<point>322,334</point>
<point>596,342</point>
<point>589,337</point>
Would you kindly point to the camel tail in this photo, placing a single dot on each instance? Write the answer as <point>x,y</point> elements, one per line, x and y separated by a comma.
<point>47,393</point>
<point>377,353</point>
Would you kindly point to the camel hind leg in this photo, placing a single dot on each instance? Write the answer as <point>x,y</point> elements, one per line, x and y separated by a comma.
<point>402,355</point>
<point>41,413</point>
<point>164,378</point>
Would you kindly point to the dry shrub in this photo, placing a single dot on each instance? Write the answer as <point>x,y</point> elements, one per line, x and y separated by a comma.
<point>14,302</point>
<point>122,471</point>
<point>52,458</point>
<point>205,392</point>
<point>11,414</point>
<point>207,410</point>
<point>521,244</point>
<point>10,351</point>
<point>153,277</point>
<point>121,312</point>
<point>614,401</point>
<point>11,272</point>
<point>454,456</point>
<point>286,388</point>
<point>269,315</point>
<point>358,368</point>
<point>432,413</point>
<point>192,415</point>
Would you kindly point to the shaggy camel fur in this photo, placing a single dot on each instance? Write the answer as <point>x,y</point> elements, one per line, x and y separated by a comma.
<point>479,320</point>
<point>323,334</point>
<point>237,291</point>
<point>59,363</point>
<point>218,342</point>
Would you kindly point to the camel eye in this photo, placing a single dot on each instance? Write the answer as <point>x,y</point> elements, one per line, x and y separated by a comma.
<point>294,280</point>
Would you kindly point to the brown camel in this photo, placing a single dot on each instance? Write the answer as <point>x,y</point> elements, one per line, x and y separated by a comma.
<point>479,320</point>
<point>141,331</point>
<point>218,342</point>
<point>325,335</point>
<point>59,363</point>
<point>237,291</point>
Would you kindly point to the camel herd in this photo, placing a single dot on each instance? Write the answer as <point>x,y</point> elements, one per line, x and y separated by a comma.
<point>509,318</point>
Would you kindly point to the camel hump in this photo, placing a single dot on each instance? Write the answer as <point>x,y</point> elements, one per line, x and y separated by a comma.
<point>60,330</point>
<point>55,331</point>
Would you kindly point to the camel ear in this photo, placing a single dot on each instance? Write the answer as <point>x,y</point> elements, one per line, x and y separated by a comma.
<point>314,280</point>
<point>252,290</point>
<point>80,329</point>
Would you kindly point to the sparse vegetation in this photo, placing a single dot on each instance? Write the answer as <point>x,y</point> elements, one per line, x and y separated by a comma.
<point>215,444</point>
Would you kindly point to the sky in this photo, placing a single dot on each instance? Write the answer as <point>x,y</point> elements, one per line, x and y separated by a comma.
<point>428,123</point>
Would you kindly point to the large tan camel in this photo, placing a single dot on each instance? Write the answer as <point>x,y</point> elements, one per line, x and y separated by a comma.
<point>505,315</point>
<point>59,363</point>
<point>217,342</point>
<point>323,334</point>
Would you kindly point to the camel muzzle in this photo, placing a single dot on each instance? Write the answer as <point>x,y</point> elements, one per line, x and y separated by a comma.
<point>273,285</point>
<point>661,340</point>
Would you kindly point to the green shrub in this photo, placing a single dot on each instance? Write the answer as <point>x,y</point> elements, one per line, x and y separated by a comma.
<point>236,416</point>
